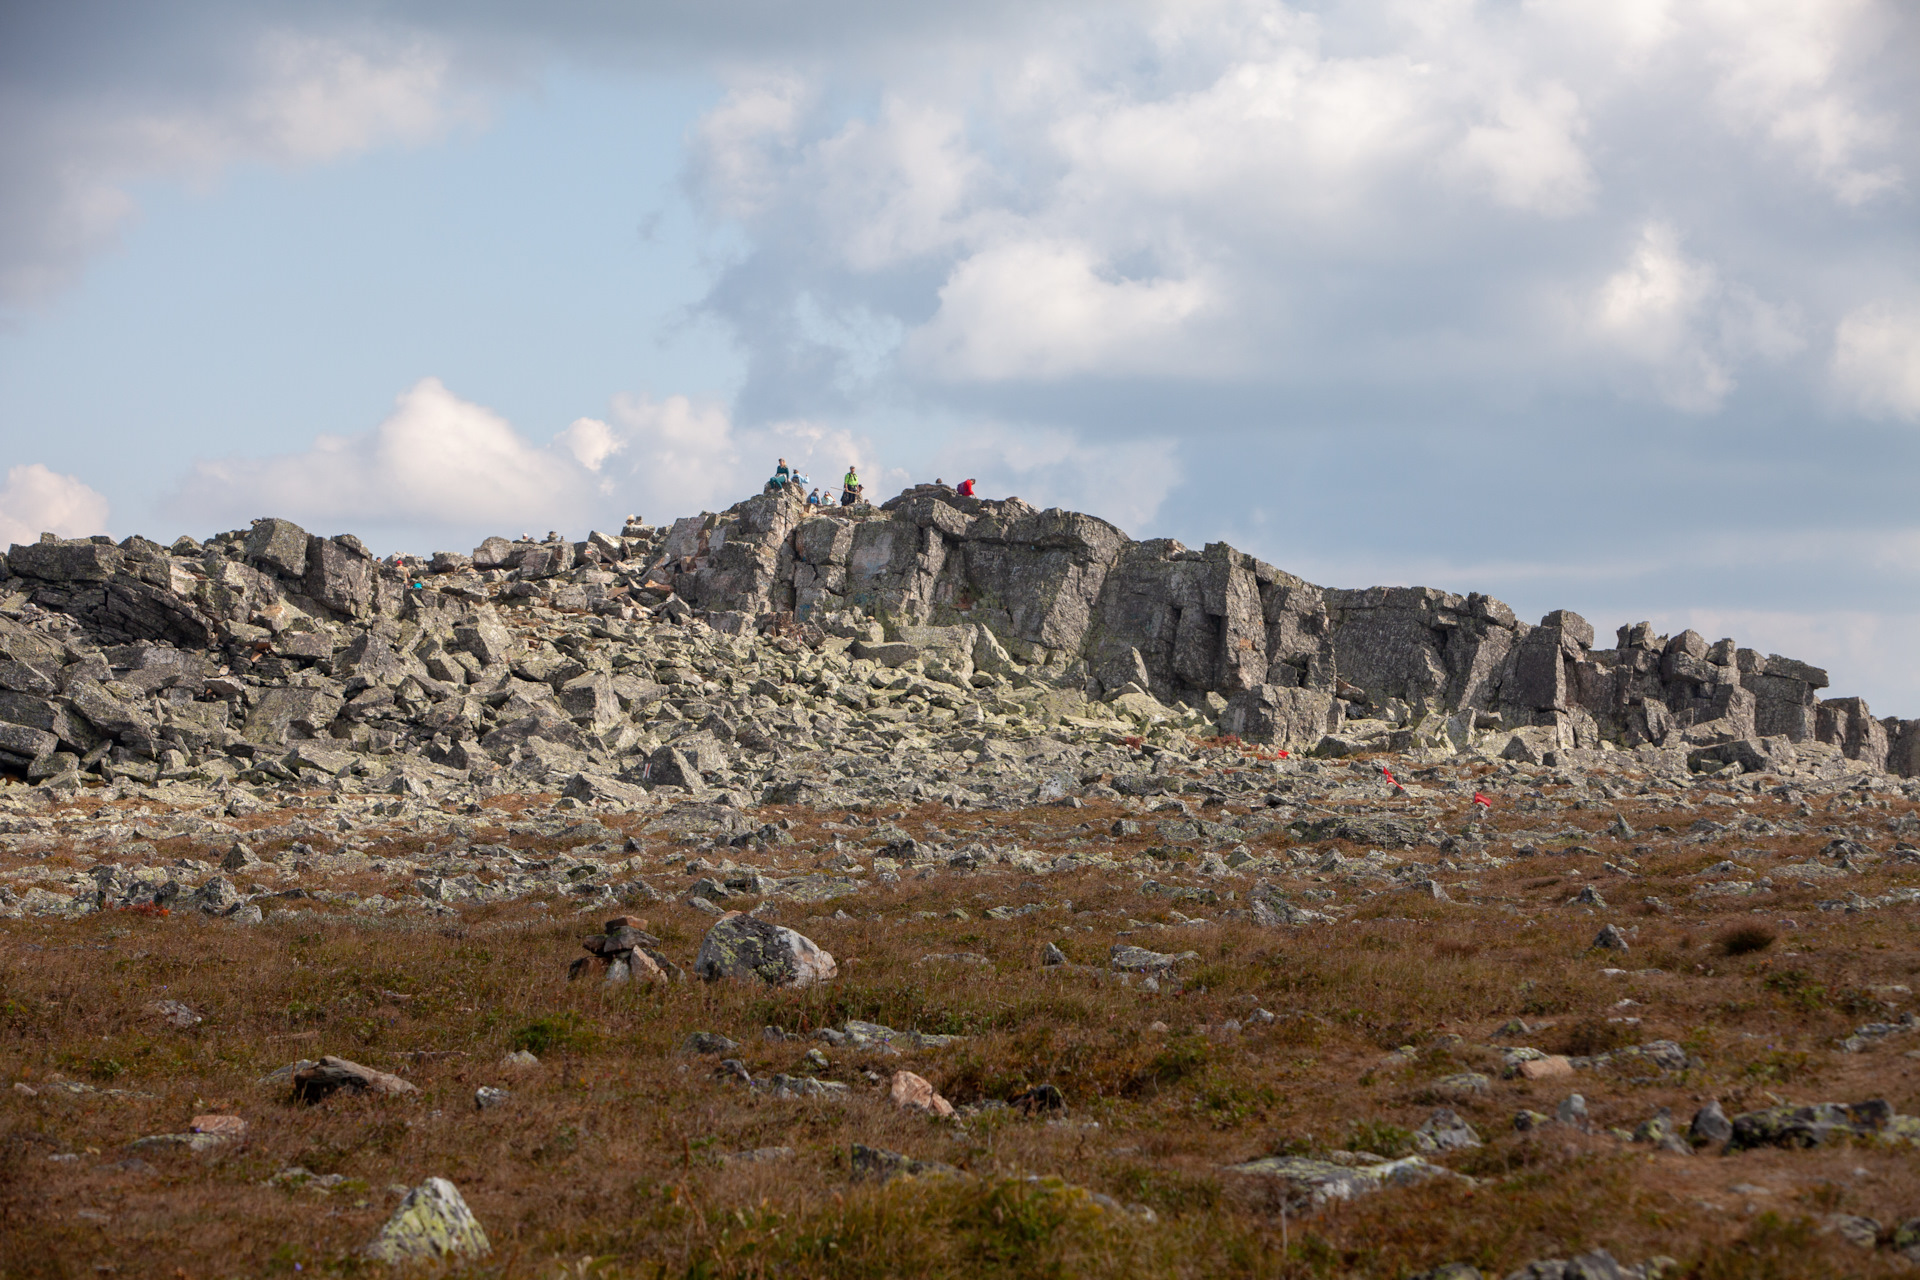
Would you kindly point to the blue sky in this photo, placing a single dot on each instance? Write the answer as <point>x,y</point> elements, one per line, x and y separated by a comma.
<point>538,261</point>
<point>1609,306</point>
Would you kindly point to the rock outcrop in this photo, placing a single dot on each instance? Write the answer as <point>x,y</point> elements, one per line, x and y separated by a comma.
<point>273,654</point>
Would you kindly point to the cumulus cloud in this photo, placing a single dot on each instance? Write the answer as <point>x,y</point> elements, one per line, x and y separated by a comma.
<point>1529,153</point>
<point>1674,316</point>
<point>270,94</point>
<point>1236,190</point>
<point>683,456</point>
<point>1783,75</point>
<point>591,442</point>
<point>436,460</point>
<point>38,500</point>
<point>445,467</point>
<point>1876,360</point>
<point>1051,310</point>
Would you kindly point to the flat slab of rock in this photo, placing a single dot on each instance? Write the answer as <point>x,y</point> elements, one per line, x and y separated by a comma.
<point>330,1075</point>
<point>1318,1181</point>
<point>432,1223</point>
<point>743,946</point>
<point>1140,960</point>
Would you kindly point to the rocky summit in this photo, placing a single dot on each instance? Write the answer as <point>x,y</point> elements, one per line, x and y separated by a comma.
<point>934,887</point>
<point>721,652</point>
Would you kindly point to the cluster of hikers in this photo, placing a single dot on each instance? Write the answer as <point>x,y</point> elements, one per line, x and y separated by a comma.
<point>786,477</point>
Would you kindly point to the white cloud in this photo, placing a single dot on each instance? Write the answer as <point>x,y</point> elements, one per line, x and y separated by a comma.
<point>1784,74</point>
<point>1876,360</point>
<point>443,467</point>
<point>1182,190</point>
<point>1673,317</point>
<point>1651,310</point>
<point>1032,310</point>
<point>682,457</point>
<point>437,460</point>
<point>591,442</point>
<point>739,157</point>
<point>38,500</point>
<point>277,96</point>
<point>1529,154</point>
<point>901,185</point>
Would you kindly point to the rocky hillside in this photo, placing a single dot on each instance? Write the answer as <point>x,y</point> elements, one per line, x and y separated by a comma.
<point>724,651</point>
<point>948,888</point>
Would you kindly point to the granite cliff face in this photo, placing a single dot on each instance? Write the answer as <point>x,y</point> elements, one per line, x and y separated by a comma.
<point>273,649</point>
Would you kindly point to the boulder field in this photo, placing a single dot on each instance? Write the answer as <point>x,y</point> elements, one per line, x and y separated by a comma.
<point>703,653</point>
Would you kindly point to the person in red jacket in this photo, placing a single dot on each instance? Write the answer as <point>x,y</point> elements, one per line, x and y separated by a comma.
<point>966,488</point>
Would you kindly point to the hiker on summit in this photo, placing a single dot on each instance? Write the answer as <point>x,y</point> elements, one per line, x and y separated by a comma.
<point>813,499</point>
<point>966,488</point>
<point>850,487</point>
<point>781,475</point>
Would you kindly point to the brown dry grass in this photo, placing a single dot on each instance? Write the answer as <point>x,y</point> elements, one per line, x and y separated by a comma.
<point>607,1159</point>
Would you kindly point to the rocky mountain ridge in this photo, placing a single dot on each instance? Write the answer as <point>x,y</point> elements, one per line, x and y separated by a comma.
<point>701,653</point>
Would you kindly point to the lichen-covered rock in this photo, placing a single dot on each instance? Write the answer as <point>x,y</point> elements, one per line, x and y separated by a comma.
<point>742,946</point>
<point>432,1223</point>
<point>279,546</point>
<point>1444,1130</point>
<point>1463,1084</point>
<point>1809,1126</point>
<point>1315,1182</point>
<point>1140,960</point>
<point>1710,1124</point>
<point>877,1164</point>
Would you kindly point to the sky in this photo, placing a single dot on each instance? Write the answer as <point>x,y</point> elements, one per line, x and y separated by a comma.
<point>1610,305</point>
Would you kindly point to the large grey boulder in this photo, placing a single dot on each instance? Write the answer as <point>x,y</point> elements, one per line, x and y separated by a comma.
<point>494,553</point>
<point>279,547</point>
<point>143,610</point>
<point>540,726</point>
<point>591,701</point>
<point>1316,1182</point>
<point>50,715</point>
<point>340,577</point>
<point>743,946</point>
<point>548,560</point>
<point>1283,716</point>
<point>433,1223</point>
<point>290,711</point>
<point>684,761</point>
<point>593,787</point>
<point>66,560</point>
<point>1849,725</point>
<point>122,719</point>
<point>20,677</point>
<point>1753,755</point>
<point>24,748</point>
<point>824,541</point>
<point>486,638</point>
